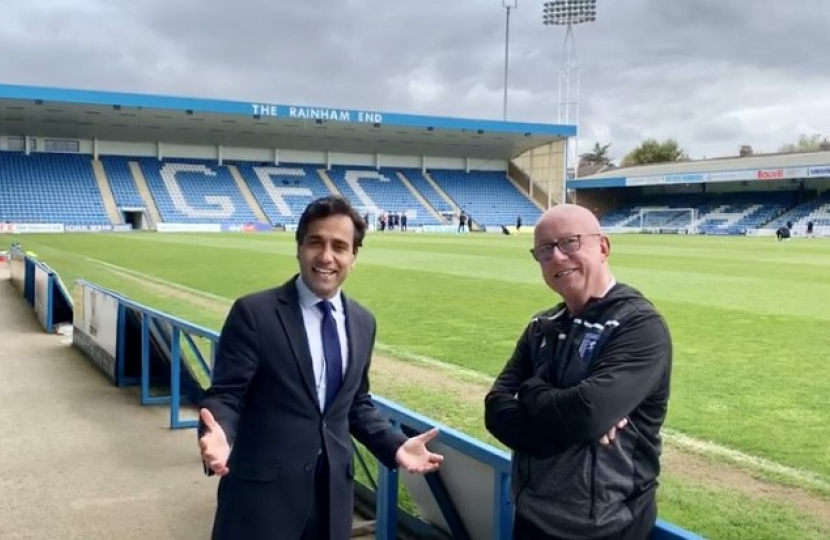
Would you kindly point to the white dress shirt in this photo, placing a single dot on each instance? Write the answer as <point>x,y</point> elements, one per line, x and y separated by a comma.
<point>313,320</point>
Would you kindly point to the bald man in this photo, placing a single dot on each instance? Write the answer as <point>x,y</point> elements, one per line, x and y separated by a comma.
<point>583,397</point>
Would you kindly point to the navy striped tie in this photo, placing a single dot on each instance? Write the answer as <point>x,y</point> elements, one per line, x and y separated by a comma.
<point>331,352</point>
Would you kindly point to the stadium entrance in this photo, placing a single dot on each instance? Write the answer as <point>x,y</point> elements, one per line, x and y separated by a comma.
<point>135,219</point>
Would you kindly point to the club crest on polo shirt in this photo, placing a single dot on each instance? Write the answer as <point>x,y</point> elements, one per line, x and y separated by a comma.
<point>588,346</point>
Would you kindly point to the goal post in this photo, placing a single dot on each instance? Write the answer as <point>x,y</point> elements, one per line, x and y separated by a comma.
<point>373,213</point>
<point>668,220</point>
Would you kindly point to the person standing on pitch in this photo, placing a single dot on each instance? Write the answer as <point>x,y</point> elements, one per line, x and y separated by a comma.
<point>583,398</point>
<point>290,386</point>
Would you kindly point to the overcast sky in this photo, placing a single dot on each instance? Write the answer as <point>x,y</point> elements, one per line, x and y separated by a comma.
<point>714,74</point>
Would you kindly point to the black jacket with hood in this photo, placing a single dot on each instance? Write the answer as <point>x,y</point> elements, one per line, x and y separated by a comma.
<point>569,381</point>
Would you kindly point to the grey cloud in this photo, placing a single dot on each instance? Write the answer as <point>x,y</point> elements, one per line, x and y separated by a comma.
<point>713,74</point>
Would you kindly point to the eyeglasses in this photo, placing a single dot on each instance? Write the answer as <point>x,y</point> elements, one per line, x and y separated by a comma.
<point>567,245</point>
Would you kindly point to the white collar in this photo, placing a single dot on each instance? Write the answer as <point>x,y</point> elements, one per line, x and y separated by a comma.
<point>308,299</point>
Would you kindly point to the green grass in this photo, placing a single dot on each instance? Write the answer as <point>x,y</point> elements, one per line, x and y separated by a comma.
<point>722,514</point>
<point>749,318</point>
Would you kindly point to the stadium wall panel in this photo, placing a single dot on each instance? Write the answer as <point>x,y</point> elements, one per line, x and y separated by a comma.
<point>360,160</point>
<point>171,151</point>
<point>257,155</point>
<point>123,148</point>
<point>407,162</point>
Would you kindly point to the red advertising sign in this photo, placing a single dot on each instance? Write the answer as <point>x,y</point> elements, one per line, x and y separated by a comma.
<point>770,174</point>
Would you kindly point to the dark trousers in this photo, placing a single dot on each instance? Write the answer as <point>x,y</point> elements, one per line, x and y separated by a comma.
<point>317,527</point>
<point>640,528</point>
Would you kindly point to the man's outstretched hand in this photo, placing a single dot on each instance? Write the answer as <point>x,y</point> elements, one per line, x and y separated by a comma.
<point>415,457</point>
<point>214,444</point>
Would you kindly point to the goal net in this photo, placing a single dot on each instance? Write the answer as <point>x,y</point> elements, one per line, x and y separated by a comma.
<point>373,213</point>
<point>668,220</point>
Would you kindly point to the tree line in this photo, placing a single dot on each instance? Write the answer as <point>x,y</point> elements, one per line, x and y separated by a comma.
<point>669,150</point>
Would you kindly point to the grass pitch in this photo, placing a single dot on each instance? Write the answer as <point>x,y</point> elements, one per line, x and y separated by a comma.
<point>749,318</point>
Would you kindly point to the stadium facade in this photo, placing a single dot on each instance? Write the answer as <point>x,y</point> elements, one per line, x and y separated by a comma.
<point>79,160</point>
<point>90,160</point>
<point>753,195</point>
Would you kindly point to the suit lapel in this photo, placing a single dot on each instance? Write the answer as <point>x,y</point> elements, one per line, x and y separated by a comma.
<point>358,351</point>
<point>290,314</point>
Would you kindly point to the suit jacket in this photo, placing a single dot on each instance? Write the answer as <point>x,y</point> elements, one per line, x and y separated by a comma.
<point>264,397</point>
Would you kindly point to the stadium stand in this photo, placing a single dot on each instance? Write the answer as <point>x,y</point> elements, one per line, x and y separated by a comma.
<point>50,188</point>
<point>284,190</point>
<point>369,188</point>
<point>61,188</point>
<point>488,196</point>
<point>419,181</point>
<point>735,213</point>
<point>195,191</point>
<point>629,215</point>
<point>202,191</point>
<point>816,210</point>
<point>121,181</point>
<point>726,213</point>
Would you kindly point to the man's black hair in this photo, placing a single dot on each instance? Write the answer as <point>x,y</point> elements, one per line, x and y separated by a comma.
<point>331,206</point>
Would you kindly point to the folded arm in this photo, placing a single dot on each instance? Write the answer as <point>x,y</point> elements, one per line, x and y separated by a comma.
<point>630,365</point>
<point>504,417</point>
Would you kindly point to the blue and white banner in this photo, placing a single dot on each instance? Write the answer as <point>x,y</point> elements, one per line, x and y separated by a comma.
<point>189,227</point>
<point>24,228</point>
<point>447,229</point>
<point>87,228</point>
<point>247,227</point>
<point>775,173</point>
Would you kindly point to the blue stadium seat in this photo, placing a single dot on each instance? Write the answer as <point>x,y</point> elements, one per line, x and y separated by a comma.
<point>419,182</point>
<point>816,210</point>
<point>122,182</point>
<point>717,213</point>
<point>61,188</point>
<point>50,188</point>
<point>487,196</point>
<point>381,190</point>
<point>195,191</point>
<point>283,191</point>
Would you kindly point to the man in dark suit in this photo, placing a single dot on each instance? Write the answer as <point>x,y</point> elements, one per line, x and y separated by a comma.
<point>290,386</point>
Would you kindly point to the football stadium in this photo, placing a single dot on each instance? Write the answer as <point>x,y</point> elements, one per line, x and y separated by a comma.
<point>131,222</point>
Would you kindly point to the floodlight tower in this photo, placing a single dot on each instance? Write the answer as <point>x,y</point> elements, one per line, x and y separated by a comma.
<point>507,5</point>
<point>569,13</point>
